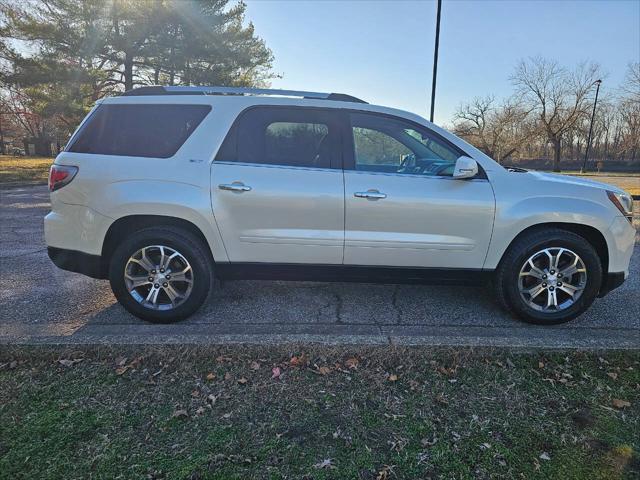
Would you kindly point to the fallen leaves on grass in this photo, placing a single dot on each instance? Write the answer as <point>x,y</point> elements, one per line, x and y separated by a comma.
<point>618,403</point>
<point>242,381</point>
<point>276,372</point>
<point>545,456</point>
<point>322,370</point>
<point>211,376</point>
<point>122,367</point>
<point>392,378</point>
<point>254,366</point>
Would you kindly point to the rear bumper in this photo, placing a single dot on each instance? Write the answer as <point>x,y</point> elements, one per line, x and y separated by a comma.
<point>79,262</point>
<point>610,282</point>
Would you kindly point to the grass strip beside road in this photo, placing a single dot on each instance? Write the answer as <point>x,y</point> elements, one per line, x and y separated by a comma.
<point>627,181</point>
<point>317,412</point>
<point>24,170</point>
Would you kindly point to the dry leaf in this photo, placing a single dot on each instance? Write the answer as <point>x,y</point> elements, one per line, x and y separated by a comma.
<point>540,364</point>
<point>121,370</point>
<point>211,376</point>
<point>352,363</point>
<point>121,361</point>
<point>242,381</point>
<point>227,376</point>
<point>425,442</point>
<point>255,366</point>
<point>276,372</point>
<point>298,361</point>
<point>326,463</point>
<point>324,370</point>
<point>545,456</point>
<point>180,414</point>
<point>69,363</point>
<point>613,375</point>
<point>440,399</point>
<point>195,393</point>
<point>620,403</point>
<point>393,377</point>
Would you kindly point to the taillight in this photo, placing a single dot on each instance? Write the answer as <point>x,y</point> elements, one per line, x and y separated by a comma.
<point>60,175</point>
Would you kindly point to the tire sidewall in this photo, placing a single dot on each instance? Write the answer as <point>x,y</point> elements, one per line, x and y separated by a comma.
<point>188,246</point>
<point>594,279</point>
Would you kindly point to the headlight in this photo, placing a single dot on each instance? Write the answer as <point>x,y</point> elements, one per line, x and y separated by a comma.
<point>623,202</point>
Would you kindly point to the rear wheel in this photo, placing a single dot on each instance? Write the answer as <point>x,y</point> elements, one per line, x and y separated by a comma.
<point>161,274</point>
<point>548,276</point>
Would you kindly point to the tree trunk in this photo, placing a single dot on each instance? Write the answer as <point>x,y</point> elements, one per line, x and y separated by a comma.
<point>128,72</point>
<point>556,155</point>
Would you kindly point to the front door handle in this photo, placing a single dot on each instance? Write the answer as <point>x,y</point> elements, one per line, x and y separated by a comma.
<point>234,187</point>
<point>370,194</point>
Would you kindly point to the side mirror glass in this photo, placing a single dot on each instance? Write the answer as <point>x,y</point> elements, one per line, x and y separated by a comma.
<point>465,167</point>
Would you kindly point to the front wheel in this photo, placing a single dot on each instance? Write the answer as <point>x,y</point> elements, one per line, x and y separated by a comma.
<point>161,274</point>
<point>548,276</point>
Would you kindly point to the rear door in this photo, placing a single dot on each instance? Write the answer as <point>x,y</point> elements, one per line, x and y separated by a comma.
<point>277,187</point>
<point>403,207</point>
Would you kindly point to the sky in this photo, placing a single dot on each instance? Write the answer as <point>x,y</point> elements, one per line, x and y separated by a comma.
<point>382,50</point>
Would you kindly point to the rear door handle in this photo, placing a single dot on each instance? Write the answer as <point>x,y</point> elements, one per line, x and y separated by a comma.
<point>234,187</point>
<point>371,195</point>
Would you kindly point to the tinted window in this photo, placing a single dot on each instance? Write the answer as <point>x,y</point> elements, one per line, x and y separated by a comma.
<point>383,144</point>
<point>298,137</point>
<point>138,130</point>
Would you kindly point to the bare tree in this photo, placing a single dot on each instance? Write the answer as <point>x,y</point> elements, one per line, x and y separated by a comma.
<point>559,98</point>
<point>499,130</point>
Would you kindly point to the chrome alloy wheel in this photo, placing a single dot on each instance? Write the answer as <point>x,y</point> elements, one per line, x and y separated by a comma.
<point>158,277</point>
<point>552,279</point>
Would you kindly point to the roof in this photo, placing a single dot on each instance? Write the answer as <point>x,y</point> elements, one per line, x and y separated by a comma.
<point>181,90</point>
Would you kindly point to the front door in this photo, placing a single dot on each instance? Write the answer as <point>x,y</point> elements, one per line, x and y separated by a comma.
<point>402,205</point>
<point>277,187</point>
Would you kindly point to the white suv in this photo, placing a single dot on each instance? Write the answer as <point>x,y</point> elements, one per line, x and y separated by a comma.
<point>163,189</point>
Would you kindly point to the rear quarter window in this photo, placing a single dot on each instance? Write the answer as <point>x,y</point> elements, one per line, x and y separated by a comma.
<point>140,130</point>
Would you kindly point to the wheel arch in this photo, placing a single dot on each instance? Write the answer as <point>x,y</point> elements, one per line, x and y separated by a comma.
<point>589,233</point>
<point>129,224</point>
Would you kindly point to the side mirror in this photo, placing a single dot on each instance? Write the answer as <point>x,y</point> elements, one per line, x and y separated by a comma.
<point>465,167</point>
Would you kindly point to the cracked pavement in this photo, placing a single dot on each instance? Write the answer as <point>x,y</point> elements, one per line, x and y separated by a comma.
<point>41,304</point>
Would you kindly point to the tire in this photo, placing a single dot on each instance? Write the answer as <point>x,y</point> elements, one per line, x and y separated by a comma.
<point>193,264</point>
<point>542,246</point>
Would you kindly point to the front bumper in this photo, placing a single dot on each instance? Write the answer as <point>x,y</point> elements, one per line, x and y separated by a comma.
<point>79,262</point>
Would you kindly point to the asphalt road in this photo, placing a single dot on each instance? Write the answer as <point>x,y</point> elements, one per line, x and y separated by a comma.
<point>42,304</point>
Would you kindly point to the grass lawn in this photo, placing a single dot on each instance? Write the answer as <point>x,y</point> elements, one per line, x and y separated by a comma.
<point>317,413</point>
<point>24,170</point>
<point>627,181</point>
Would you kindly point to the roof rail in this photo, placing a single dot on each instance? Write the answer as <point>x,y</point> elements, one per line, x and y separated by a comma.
<point>180,90</point>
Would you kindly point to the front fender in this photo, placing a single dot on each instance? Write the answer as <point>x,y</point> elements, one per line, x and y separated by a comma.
<point>167,198</point>
<point>513,218</point>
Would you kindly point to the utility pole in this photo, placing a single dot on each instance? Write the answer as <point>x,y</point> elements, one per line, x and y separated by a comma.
<point>435,61</point>
<point>593,114</point>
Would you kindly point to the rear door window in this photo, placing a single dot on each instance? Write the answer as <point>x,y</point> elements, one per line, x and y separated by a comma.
<point>141,130</point>
<point>298,137</point>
